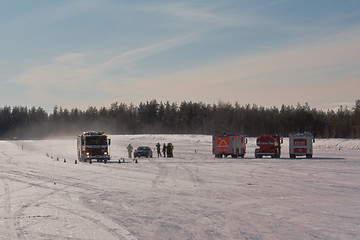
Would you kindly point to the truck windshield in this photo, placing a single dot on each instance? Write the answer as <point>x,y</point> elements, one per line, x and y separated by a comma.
<point>96,140</point>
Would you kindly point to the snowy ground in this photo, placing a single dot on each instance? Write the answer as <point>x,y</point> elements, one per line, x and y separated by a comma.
<point>191,196</point>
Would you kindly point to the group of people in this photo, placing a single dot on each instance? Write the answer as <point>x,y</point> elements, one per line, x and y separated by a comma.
<point>167,150</point>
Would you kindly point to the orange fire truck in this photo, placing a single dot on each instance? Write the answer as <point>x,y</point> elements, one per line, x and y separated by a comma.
<point>229,144</point>
<point>93,145</point>
<point>300,144</point>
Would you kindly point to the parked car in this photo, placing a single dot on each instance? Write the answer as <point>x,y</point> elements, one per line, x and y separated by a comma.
<point>143,151</point>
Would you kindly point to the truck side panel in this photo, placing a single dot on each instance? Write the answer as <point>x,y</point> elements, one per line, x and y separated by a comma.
<point>222,145</point>
<point>229,145</point>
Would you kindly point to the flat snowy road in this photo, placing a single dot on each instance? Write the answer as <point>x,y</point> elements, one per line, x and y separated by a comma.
<point>190,196</point>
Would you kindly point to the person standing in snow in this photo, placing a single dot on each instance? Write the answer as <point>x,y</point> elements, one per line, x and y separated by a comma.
<point>129,148</point>
<point>164,150</point>
<point>170,149</point>
<point>158,149</point>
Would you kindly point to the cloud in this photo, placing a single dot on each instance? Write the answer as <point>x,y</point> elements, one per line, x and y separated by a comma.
<point>63,72</point>
<point>313,72</point>
<point>189,12</point>
<point>70,58</point>
<point>131,56</point>
<point>70,71</point>
<point>211,14</point>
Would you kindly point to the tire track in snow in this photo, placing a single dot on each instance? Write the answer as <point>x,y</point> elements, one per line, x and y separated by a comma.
<point>165,185</point>
<point>13,230</point>
<point>163,172</point>
<point>9,221</point>
<point>194,175</point>
<point>115,230</point>
<point>13,221</point>
<point>257,220</point>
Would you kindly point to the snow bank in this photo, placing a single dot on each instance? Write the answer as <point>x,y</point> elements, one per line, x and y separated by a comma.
<point>331,143</point>
<point>326,143</point>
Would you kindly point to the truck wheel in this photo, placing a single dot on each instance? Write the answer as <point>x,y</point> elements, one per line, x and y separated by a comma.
<point>292,155</point>
<point>90,161</point>
<point>308,155</point>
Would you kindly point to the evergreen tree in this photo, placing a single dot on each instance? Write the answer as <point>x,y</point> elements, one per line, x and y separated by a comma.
<point>189,117</point>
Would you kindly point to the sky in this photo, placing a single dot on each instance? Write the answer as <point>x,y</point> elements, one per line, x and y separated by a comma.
<point>82,53</point>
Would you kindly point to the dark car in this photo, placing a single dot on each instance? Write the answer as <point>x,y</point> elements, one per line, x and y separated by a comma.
<point>143,151</point>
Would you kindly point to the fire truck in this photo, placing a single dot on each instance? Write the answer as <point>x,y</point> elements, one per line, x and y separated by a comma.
<point>300,144</point>
<point>93,145</point>
<point>269,145</point>
<point>229,144</point>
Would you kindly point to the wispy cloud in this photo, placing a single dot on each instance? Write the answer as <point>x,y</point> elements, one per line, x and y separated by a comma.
<point>205,14</point>
<point>189,12</point>
<point>302,73</point>
<point>131,56</point>
<point>63,72</point>
<point>71,70</point>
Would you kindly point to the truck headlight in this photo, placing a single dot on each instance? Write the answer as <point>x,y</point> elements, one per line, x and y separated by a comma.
<point>87,154</point>
<point>105,153</point>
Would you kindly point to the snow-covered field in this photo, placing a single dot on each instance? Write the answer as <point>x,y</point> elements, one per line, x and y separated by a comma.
<point>190,196</point>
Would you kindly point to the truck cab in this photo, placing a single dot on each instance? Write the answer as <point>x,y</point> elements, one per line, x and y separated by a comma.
<point>93,145</point>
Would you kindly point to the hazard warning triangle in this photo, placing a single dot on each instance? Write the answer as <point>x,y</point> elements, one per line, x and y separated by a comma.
<point>223,143</point>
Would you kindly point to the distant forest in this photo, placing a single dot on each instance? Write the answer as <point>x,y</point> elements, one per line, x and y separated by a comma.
<point>184,118</point>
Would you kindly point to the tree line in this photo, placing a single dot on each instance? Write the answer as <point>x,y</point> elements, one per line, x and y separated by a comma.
<point>184,118</point>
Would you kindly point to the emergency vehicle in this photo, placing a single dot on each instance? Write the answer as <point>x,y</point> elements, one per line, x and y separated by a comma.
<point>269,145</point>
<point>300,144</point>
<point>229,144</point>
<point>93,145</point>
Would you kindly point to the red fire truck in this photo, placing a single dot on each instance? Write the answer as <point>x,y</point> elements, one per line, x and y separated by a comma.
<point>269,145</point>
<point>93,145</point>
<point>300,144</point>
<point>229,144</point>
